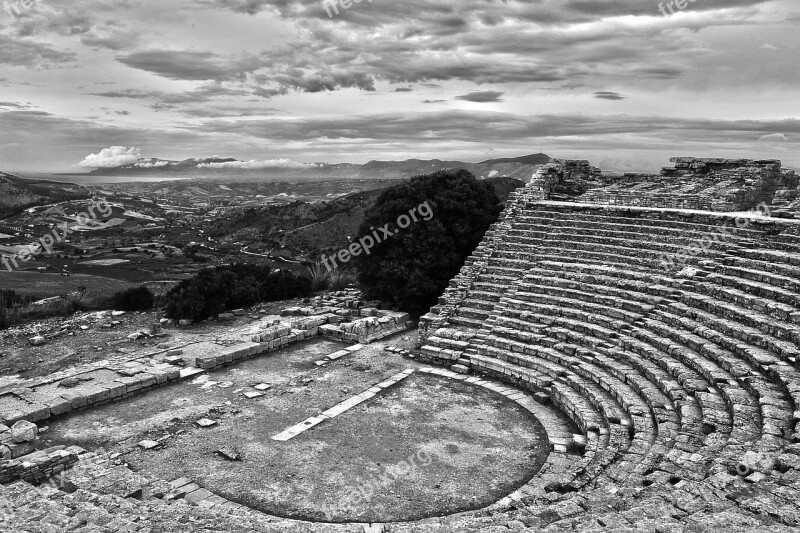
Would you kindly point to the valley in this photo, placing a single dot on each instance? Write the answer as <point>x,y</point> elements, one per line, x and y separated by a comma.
<point>160,232</point>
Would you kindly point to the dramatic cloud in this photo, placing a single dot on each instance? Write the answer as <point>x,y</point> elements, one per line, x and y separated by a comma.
<point>774,137</point>
<point>112,157</point>
<point>481,96</point>
<point>608,95</point>
<point>34,55</point>
<point>498,128</point>
<point>324,81</point>
<point>266,80</point>
<point>162,100</point>
<point>190,65</point>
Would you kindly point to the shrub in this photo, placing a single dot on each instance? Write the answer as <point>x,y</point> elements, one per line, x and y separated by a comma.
<point>320,278</point>
<point>134,299</point>
<point>336,280</point>
<point>412,268</point>
<point>15,309</point>
<point>215,290</point>
<point>9,298</point>
<point>341,278</point>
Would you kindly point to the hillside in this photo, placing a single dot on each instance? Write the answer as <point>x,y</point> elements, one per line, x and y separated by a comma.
<point>533,159</point>
<point>304,229</point>
<point>17,194</point>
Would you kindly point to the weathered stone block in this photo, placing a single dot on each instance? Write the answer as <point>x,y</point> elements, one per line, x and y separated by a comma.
<point>207,361</point>
<point>21,449</point>
<point>96,394</point>
<point>76,398</point>
<point>115,389</point>
<point>24,431</point>
<point>59,406</point>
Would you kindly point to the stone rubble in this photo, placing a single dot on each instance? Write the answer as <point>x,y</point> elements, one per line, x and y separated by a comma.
<point>692,183</point>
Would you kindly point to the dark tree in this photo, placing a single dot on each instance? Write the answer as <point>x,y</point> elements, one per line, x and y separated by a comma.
<point>215,290</point>
<point>134,299</point>
<point>413,267</point>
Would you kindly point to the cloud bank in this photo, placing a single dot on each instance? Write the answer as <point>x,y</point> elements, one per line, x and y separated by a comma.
<point>112,157</point>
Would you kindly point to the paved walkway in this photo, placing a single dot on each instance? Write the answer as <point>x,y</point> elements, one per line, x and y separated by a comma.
<point>343,407</point>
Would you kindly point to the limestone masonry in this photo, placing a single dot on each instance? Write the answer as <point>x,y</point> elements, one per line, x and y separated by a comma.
<point>693,183</point>
<point>685,384</point>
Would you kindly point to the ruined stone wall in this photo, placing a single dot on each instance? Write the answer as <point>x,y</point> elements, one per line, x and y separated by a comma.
<point>757,181</point>
<point>37,467</point>
<point>706,184</point>
<point>664,201</point>
<point>564,179</point>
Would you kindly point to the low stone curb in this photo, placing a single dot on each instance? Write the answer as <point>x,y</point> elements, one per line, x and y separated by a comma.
<point>342,407</point>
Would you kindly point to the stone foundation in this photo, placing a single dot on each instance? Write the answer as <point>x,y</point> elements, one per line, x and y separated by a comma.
<point>38,467</point>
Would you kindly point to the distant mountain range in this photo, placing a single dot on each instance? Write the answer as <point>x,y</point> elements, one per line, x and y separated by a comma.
<point>217,167</point>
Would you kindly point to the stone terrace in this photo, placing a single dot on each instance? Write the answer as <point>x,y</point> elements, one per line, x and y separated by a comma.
<point>684,377</point>
<point>343,318</point>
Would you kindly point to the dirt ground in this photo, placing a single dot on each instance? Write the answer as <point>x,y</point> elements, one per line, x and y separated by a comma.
<point>469,446</point>
<point>44,285</point>
<point>19,360</point>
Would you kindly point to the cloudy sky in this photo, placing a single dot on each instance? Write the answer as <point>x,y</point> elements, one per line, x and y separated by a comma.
<point>614,81</point>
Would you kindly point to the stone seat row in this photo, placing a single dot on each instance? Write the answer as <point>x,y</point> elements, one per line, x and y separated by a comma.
<point>759,325</point>
<point>734,296</point>
<point>784,404</point>
<point>602,443</point>
<point>647,407</point>
<point>758,357</point>
<point>722,298</point>
<point>578,327</point>
<point>634,233</point>
<point>625,290</point>
<point>652,225</point>
<point>704,362</point>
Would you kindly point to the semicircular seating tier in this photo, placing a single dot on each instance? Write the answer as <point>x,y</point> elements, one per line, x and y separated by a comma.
<point>670,337</point>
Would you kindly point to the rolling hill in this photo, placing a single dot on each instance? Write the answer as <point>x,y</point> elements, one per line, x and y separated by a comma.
<point>18,194</point>
<point>303,228</point>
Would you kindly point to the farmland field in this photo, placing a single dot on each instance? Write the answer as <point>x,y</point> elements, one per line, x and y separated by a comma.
<point>42,285</point>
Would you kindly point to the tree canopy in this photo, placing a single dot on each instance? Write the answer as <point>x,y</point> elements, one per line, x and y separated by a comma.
<point>215,290</point>
<point>413,267</point>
